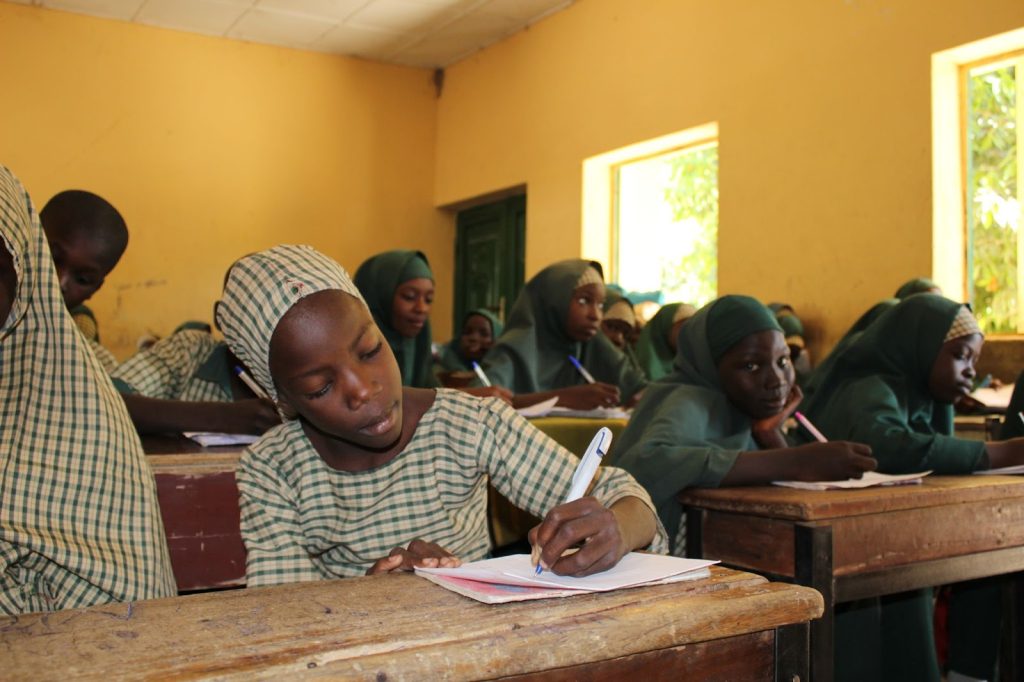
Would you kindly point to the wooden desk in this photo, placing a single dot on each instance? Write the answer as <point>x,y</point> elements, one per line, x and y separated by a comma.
<point>732,626</point>
<point>199,505</point>
<point>852,544</point>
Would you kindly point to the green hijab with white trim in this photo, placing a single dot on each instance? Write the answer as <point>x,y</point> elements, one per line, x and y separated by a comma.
<point>532,354</point>
<point>378,279</point>
<point>685,432</point>
<point>876,392</point>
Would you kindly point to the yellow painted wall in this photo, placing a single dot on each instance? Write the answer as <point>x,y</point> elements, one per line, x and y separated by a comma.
<point>213,148</point>
<point>824,116</point>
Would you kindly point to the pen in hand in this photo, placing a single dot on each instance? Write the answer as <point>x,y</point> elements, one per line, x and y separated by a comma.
<point>581,479</point>
<point>251,383</point>
<point>587,376</point>
<point>480,374</point>
<point>806,423</point>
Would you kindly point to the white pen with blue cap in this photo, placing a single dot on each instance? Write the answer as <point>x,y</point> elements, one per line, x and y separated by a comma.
<point>582,370</point>
<point>480,373</point>
<point>253,386</point>
<point>583,476</point>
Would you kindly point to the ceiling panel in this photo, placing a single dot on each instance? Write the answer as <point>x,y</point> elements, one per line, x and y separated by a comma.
<point>426,33</point>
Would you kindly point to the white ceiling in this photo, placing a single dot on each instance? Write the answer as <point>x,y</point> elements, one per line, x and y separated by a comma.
<point>425,33</point>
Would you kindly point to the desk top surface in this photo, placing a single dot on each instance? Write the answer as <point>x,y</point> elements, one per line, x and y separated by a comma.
<point>398,625</point>
<point>810,505</point>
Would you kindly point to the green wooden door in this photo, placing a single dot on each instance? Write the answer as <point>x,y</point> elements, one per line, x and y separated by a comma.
<point>490,256</point>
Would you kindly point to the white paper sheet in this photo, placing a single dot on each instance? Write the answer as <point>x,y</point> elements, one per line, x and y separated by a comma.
<point>995,397</point>
<point>596,413</point>
<point>635,569</point>
<point>539,409</point>
<point>869,480</point>
<point>1018,469</point>
<point>209,439</point>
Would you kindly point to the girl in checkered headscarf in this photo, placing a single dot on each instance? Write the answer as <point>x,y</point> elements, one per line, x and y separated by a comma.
<point>79,521</point>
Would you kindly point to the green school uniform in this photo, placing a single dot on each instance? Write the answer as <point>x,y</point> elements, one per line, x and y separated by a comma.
<point>684,432</point>
<point>532,355</point>
<point>862,323</point>
<point>450,359</point>
<point>876,392</point>
<point>378,279</point>
<point>79,522</point>
<point>653,352</point>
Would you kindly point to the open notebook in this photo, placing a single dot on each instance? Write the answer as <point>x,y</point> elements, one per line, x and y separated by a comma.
<point>512,578</point>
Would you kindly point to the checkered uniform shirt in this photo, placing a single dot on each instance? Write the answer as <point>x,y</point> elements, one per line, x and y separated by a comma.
<point>169,369</point>
<point>302,520</point>
<point>79,521</point>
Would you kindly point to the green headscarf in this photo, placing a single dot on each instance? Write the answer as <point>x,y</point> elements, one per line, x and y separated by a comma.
<point>612,297</point>
<point>653,352</point>
<point>685,432</point>
<point>532,355</point>
<point>451,358</point>
<point>863,322</point>
<point>378,279</point>
<point>876,392</point>
<point>918,285</point>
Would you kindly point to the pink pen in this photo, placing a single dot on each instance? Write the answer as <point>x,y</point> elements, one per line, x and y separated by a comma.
<point>806,423</point>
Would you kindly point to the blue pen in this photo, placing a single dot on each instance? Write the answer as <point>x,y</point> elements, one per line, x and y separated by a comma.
<point>583,476</point>
<point>480,373</point>
<point>248,381</point>
<point>582,370</point>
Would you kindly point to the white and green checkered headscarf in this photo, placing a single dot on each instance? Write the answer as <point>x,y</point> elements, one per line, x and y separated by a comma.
<point>79,520</point>
<point>261,288</point>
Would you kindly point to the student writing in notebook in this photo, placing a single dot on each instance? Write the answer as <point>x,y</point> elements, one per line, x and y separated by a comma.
<point>480,328</point>
<point>370,476</point>
<point>893,387</point>
<point>558,315</point>
<point>79,520</point>
<point>716,420</point>
<point>87,237</point>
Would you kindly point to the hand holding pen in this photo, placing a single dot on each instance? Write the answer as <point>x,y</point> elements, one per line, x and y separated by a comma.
<point>580,522</point>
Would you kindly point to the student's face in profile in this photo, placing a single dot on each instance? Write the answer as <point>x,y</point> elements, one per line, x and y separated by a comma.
<point>8,282</point>
<point>81,263</point>
<point>756,374</point>
<point>411,306</point>
<point>476,338</point>
<point>332,366</point>
<point>952,374</point>
<point>617,331</point>
<point>585,311</point>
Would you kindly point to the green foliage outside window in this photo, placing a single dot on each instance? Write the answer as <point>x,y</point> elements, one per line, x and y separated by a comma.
<point>693,197</point>
<point>993,207</point>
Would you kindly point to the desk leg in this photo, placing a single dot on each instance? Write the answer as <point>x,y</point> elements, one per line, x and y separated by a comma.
<point>813,568</point>
<point>694,518</point>
<point>791,653</point>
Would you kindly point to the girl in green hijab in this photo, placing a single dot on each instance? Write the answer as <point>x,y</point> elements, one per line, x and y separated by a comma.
<point>918,285</point>
<point>479,329</point>
<point>557,316</point>
<point>399,289</point>
<point>716,420</point>
<point>862,323</point>
<point>618,323</point>
<point>656,348</point>
<point>893,388</point>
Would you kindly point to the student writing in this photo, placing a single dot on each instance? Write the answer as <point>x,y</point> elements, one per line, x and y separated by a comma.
<point>716,420</point>
<point>558,315</point>
<point>371,476</point>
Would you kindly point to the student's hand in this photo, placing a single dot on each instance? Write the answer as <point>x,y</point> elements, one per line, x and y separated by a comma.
<point>585,523</point>
<point>254,416</point>
<point>1005,453</point>
<point>490,392</point>
<point>774,423</point>
<point>588,396</point>
<point>832,461</point>
<point>418,553</point>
